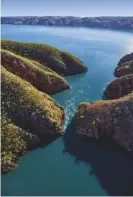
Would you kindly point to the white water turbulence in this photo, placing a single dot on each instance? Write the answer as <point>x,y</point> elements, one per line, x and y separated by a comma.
<point>69,111</point>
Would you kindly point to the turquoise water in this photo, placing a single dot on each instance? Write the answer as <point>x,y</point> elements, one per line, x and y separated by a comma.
<point>71,165</point>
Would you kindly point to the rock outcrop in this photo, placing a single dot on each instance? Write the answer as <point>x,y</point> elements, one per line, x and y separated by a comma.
<point>125,66</point>
<point>39,76</point>
<point>15,141</point>
<point>109,119</point>
<point>125,59</point>
<point>119,87</point>
<point>124,84</point>
<point>32,141</point>
<point>124,69</point>
<point>59,61</point>
<point>121,23</point>
<point>30,118</point>
<point>12,144</point>
<point>29,108</point>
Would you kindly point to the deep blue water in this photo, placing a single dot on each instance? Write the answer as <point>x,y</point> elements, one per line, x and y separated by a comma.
<point>71,165</point>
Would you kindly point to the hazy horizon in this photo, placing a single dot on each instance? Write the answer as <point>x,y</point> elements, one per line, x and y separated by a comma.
<point>65,16</point>
<point>84,8</point>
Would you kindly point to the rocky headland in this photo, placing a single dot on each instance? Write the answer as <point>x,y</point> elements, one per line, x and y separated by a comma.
<point>109,119</point>
<point>30,117</point>
<point>28,111</point>
<point>112,118</point>
<point>123,84</point>
<point>119,87</point>
<point>40,76</point>
<point>125,66</point>
<point>119,23</point>
<point>59,61</point>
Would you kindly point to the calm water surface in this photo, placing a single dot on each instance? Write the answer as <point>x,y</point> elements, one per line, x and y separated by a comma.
<point>71,165</point>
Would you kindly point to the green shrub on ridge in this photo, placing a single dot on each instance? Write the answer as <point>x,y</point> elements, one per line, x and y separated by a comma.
<point>61,62</point>
<point>42,77</point>
<point>12,144</point>
<point>29,108</point>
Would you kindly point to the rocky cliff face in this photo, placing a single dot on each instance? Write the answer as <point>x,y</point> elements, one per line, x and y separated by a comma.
<point>125,66</point>
<point>124,69</point>
<point>59,61</point>
<point>119,87</point>
<point>34,118</point>
<point>109,119</point>
<point>124,84</point>
<point>39,76</point>
<point>29,108</point>
<point>125,59</point>
<point>113,118</point>
<point>121,23</point>
<point>30,117</point>
<point>15,141</point>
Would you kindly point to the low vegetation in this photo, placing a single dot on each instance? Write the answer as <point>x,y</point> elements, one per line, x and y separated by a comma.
<point>28,107</point>
<point>119,87</point>
<point>124,69</point>
<point>107,119</point>
<point>59,61</point>
<point>111,119</point>
<point>27,116</point>
<point>30,117</point>
<point>12,144</point>
<point>42,77</point>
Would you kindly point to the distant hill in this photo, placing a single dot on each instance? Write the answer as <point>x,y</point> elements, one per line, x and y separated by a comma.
<point>121,23</point>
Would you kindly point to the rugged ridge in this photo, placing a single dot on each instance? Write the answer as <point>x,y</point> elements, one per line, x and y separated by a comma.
<point>125,66</point>
<point>123,85</point>
<point>119,87</point>
<point>111,119</point>
<point>126,58</point>
<point>41,77</point>
<point>124,69</point>
<point>29,108</point>
<point>121,23</point>
<point>15,141</point>
<point>108,119</point>
<point>60,61</point>
<point>30,118</point>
